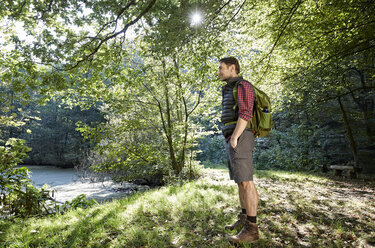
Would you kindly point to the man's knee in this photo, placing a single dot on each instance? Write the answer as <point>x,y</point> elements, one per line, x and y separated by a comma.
<point>245,184</point>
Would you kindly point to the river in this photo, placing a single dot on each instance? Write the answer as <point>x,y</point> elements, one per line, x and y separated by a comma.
<point>66,184</point>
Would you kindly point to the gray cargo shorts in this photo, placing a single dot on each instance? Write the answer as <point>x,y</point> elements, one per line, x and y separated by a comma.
<point>240,159</point>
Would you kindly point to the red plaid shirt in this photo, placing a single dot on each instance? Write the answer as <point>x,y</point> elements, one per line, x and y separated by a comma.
<point>245,101</point>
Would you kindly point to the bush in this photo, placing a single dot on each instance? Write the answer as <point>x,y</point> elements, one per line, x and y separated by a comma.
<point>212,148</point>
<point>297,148</point>
<point>18,196</point>
<point>190,172</point>
<point>78,202</point>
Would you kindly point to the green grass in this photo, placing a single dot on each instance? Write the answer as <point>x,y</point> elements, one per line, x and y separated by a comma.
<point>296,210</point>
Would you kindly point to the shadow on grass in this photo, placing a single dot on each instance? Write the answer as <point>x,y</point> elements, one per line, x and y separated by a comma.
<point>219,188</point>
<point>301,221</point>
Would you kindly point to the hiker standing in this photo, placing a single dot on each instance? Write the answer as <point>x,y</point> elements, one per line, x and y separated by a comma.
<point>239,138</point>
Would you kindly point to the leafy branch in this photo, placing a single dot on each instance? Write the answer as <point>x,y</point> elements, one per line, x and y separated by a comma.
<point>349,92</point>
<point>282,29</point>
<point>113,34</point>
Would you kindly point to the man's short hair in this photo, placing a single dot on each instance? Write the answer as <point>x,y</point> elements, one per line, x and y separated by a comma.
<point>231,61</point>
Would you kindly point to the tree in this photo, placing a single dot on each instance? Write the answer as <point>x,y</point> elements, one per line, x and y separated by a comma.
<point>306,49</point>
<point>77,48</point>
<point>310,54</point>
<point>154,102</point>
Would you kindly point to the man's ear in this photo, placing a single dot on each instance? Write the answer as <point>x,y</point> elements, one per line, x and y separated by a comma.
<point>232,68</point>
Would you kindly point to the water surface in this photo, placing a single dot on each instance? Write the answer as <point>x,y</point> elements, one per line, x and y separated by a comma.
<point>66,184</point>
<point>52,175</point>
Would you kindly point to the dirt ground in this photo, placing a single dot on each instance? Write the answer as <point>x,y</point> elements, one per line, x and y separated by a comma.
<point>311,210</point>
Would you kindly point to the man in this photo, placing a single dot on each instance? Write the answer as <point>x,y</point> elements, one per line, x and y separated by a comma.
<point>239,146</point>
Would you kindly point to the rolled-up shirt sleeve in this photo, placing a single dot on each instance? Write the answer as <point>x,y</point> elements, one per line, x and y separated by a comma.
<point>245,99</point>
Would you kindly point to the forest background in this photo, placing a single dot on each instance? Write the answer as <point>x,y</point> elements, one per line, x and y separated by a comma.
<point>130,88</point>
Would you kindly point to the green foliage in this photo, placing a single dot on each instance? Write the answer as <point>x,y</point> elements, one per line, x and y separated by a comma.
<point>30,201</point>
<point>190,172</point>
<point>54,138</point>
<point>212,150</point>
<point>18,196</point>
<point>48,129</point>
<point>153,88</point>
<point>295,149</point>
<point>306,55</point>
<point>321,88</point>
<point>12,153</point>
<point>150,112</point>
<point>78,202</point>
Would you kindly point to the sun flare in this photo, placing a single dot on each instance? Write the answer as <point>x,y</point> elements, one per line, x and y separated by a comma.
<point>196,19</point>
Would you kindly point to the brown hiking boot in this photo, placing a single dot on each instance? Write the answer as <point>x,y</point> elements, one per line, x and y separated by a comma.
<point>249,233</point>
<point>238,224</point>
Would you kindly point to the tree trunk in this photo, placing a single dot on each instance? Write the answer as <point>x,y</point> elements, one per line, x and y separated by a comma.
<point>365,103</point>
<point>181,101</point>
<point>366,106</point>
<point>349,132</point>
<point>168,128</point>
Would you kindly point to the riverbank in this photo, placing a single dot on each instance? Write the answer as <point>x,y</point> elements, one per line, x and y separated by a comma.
<point>66,185</point>
<point>295,210</point>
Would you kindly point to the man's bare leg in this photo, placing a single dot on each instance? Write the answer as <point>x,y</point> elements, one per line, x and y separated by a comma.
<point>241,195</point>
<point>242,216</point>
<point>248,197</point>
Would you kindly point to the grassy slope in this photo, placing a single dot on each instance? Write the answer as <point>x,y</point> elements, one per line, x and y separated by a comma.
<point>296,210</point>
